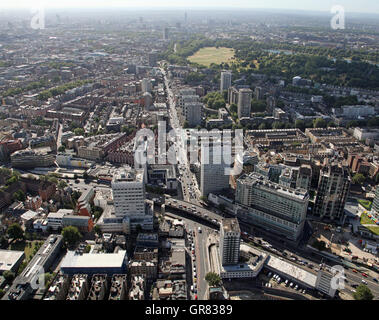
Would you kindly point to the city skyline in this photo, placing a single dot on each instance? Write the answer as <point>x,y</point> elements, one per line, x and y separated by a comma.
<point>364,6</point>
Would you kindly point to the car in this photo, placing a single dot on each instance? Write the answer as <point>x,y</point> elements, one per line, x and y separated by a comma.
<point>376,280</point>
<point>296,287</point>
<point>364,274</point>
<point>354,285</point>
<point>286,282</point>
<point>269,274</point>
<point>364,281</point>
<point>355,270</point>
<point>291,284</point>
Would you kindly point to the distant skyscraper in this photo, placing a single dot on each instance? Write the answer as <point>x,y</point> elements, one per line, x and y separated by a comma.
<point>230,238</point>
<point>146,85</point>
<point>165,33</point>
<point>244,103</point>
<point>226,80</point>
<point>258,93</point>
<point>153,57</point>
<point>185,17</point>
<point>332,191</point>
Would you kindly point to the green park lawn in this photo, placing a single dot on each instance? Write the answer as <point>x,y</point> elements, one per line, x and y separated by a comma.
<point>374,229</point>
<point>365,219</point>
<point>365,204</point>
<point>208,55</point>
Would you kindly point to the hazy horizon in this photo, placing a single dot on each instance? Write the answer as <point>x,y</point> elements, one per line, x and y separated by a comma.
<point>351,6</point>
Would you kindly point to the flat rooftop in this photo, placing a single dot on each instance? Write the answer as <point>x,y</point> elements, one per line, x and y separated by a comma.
<point>230,224</point>
<point>8,258</point>
<point>93,260</point>
<point>263,183</point>
<point>292,270</point>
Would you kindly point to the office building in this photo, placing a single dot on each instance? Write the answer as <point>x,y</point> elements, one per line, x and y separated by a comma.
<point>213,169</point>
<point>94,263</point>
<point>271,206</point>
<point>333,189</point>
<point>146,85</point>
<point>10,260</point>
<point>244,103</point>
<point>166,33</point>
<point>129,193</point>
<point>193,113</point>
<point>226,80</point>
<point>229,241</point>
<point>375,203</point>
<point>153,58</point>
<point>32,158</point>
<point>24,285</point>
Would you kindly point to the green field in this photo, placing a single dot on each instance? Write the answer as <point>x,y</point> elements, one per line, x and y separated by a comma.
<point>365,219</point>
<point>208,55</point>
<point>374,229</point>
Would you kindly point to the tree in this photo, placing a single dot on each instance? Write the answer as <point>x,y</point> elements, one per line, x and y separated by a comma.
<point>1,293</point>
<point>213,279</point>
<point>79,131</point>
<point>319,123</point>
<point>204,198</point>
<point>97,230</point>
<point>71,235</point>
<point>15,231</point>
<point>358,178</point>
<point>262,126</point>
<point>300,124</point>
<point>363,293</point>
<point>3,243</point>
<point>19,195</point>
<point>233,108</point>
<point>9,276</point>
<point>62,184</point>
<point>62,148</point>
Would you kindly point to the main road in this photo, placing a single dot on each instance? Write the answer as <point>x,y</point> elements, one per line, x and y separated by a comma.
<point>191,192</point>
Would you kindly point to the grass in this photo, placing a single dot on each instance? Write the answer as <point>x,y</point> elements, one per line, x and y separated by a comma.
<point>208,55</point>
<point>22,246</point>
<point>374,229</point>
<point>365,204</point>
<point>365,219</point>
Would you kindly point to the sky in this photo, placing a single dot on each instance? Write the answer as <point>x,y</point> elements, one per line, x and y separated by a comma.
<point>364,6</point>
